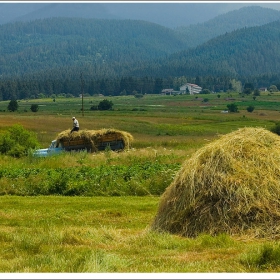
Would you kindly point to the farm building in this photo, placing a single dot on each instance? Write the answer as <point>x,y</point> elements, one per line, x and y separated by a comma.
<point>167,91</point>
<point>192,88</point>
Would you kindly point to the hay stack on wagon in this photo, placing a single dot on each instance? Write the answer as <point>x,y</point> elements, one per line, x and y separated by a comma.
<point>95,137</point>
<point>231,185</point>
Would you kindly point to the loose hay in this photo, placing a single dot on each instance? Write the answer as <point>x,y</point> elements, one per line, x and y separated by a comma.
<point>231,185</point>
<point>95,136</point>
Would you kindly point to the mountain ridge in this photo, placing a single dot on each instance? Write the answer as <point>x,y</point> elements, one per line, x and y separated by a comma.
<point>167,13</point>
<point>230,21</point>
<point>246,52</point>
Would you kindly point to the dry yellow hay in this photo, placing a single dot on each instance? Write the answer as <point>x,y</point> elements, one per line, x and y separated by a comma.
<point>231,185</point>
<point>93,137</point>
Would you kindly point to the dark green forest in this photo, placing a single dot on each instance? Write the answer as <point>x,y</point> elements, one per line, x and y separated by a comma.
<point>116,57</point>
<point>244,53</point>
<point>29,47</point>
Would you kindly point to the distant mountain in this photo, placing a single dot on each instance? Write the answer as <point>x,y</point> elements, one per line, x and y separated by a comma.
<point>11,11</point>
<point>164,13</point>
<point>114,48</point>
<point>230,21</point>
<point>243,53</point>
<point>188,35</point>
<point>29,47</point>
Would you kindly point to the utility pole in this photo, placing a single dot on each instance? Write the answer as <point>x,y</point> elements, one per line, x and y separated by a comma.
<point>82,92</point>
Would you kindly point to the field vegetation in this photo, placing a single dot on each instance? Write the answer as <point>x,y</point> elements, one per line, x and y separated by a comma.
<point>83,212</point>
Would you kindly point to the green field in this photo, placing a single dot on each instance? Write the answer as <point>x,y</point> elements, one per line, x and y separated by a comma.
<point>82,212</point>
<point>109,234</point>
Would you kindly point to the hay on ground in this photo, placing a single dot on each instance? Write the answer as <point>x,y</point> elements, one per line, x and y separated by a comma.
<point>94,137</point>
<point>231,185</point>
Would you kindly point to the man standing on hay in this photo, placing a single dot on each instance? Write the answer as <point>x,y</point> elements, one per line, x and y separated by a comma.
<point>76,126</point>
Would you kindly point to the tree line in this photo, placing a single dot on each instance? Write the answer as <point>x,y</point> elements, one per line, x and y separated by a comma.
<point>18,89</point>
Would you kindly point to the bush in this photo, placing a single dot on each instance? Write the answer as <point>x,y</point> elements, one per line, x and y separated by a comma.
<point>34,107</point>
<point>13,106</point>
<point>276,128</point>
<point>16,141</point>
<point>250,109</point>
<point>105,105</point>
<point>232,108</point>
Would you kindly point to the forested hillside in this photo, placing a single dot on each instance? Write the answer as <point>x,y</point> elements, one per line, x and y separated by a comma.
<point>47,44</point>
<point>246,52</point>
<point>114,57</point>
<point>197,34</point>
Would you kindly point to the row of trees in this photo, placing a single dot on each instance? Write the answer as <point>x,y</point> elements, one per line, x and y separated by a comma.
<point>13,106</point>
<point>102,106</point>
<point>33,89</point>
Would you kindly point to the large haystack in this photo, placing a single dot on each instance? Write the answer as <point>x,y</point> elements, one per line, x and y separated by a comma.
<point>94,137</point>
<point>231,185</point>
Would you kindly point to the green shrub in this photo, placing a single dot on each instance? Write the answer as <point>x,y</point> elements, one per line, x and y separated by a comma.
<point>232,108</point>
<point>250,109</point>
<point>276,128</point>
<point>34,108</point>
<point>17,141</point>
<point>105,105</point>
<point>13,105</point>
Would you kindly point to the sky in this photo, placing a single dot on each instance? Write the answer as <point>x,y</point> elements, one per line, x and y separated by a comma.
<point>171,14</point>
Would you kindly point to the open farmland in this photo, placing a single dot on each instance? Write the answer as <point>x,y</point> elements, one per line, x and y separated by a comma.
<point>154,120</point>
<point>52,221</point>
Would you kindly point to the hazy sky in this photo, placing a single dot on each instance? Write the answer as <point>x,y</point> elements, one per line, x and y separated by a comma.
<point>167,13</point>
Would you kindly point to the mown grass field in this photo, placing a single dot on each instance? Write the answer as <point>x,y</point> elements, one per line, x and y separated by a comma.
<point>91,212</point>
<point>109,234</point>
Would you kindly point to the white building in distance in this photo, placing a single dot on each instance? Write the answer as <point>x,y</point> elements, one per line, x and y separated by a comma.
<point>192,88</point>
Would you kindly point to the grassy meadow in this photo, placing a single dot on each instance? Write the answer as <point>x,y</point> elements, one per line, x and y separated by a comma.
<point>89,213</point>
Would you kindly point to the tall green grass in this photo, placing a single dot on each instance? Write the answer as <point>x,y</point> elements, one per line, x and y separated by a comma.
<point>262,257</point>
<point>107,174</point>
